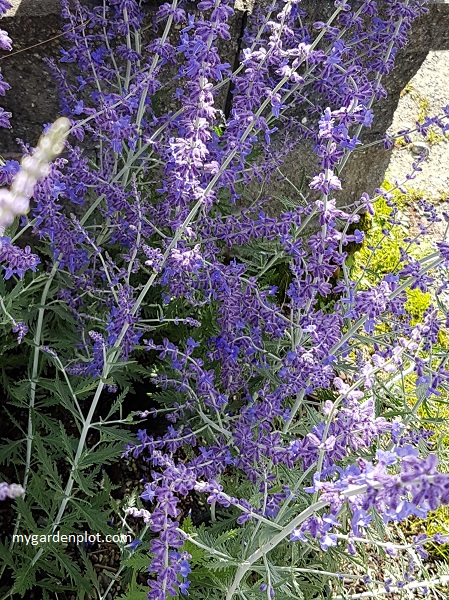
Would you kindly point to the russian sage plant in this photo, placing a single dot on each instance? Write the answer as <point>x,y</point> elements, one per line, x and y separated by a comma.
<point>154,244</point>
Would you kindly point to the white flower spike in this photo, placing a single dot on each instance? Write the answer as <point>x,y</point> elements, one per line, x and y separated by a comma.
<point>16,200</point>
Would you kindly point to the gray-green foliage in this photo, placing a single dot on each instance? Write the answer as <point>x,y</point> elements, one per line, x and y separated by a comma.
<point>42,451</point>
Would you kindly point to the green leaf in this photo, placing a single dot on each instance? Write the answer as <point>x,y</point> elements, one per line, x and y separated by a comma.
<point>96,515</point>
<point>47,464</point>
<point>137,561</point>
<point>90,571</point>
<point>222,564</point>
<point>117,403</point>
<point>86,481</point>
<point>28,522</point>
<point>105,455</point>
<point>6,556</point>
<point>71,569</point>
<point>24,579</point>
<point>69,444</point>
<point>11,452</point>
<point>112,433</point>
<point>60,311</point>
<point>84,387</point>
<point>140,594</point>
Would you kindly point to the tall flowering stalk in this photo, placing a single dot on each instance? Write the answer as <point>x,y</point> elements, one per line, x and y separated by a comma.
<point>16,200</point>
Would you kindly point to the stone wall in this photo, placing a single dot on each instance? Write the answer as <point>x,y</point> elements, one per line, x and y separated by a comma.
<point>33,26</point>
<point>32,99</point>
<point>365,170</point>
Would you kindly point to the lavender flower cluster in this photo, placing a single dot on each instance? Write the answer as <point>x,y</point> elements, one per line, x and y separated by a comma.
<point>139,224</point>
<point>13,490</point>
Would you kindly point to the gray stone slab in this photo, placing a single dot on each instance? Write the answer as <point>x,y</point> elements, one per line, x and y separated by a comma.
<point>33,8</point>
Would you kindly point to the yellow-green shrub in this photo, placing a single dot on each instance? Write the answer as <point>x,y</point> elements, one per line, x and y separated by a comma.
<point>385,259</point>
